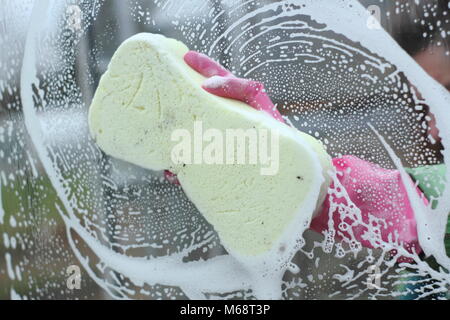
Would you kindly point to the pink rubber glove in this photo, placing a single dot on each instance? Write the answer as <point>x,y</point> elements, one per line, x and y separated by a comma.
<point>381,197</point>
<point>378,193</point>
<point>223,83</point>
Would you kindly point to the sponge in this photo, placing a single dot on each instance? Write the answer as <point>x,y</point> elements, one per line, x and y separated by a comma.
<point>148,94</point>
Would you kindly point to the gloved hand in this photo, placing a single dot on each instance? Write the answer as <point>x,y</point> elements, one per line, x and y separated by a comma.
<point>378,193</point>
<point>223,83</point>
<point>380,196</point>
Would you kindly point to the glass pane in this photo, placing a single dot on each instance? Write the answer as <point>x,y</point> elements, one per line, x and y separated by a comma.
<point>367,78</point>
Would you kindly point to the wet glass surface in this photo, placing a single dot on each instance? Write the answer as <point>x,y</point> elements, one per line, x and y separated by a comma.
<point>67,207</point>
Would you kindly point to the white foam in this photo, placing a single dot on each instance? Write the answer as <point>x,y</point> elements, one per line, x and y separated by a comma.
<point>9,267</point>
<point>2,211</point>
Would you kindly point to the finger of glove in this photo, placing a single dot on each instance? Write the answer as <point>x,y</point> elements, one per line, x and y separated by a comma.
<point>205,65</point>
<point>171,177</point>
